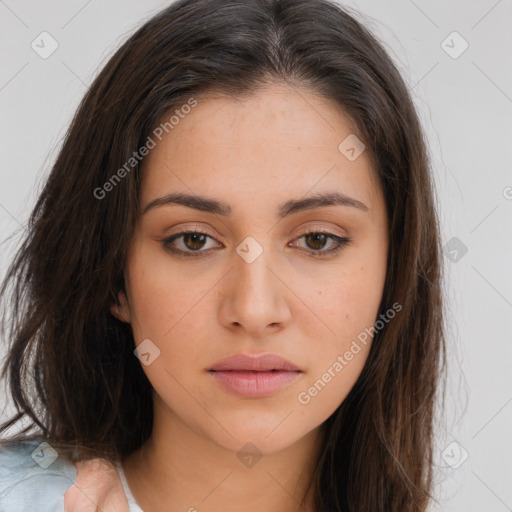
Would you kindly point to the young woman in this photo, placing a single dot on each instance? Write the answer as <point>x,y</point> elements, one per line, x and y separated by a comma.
<point>230,290</point>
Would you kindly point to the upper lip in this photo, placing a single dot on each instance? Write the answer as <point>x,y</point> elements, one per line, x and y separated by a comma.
<point>261,363</point>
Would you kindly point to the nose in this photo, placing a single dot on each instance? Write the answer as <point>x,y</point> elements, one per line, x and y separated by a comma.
<point>255,297</point>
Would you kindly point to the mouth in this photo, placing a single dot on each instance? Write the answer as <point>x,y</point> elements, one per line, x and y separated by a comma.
<point>254,377</point>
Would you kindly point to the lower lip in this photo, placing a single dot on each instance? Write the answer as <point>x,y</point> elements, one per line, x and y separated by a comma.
<point>254,384</point>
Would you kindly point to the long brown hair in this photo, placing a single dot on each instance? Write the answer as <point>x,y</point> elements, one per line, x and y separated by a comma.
<point>70,366</point>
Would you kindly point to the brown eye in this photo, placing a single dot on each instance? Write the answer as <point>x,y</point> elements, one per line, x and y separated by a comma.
<point>188,243</point>
<point>194,241</point>
<point>316,241</point>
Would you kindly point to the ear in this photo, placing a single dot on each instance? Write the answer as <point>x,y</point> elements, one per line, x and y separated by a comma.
<point>120,309</point>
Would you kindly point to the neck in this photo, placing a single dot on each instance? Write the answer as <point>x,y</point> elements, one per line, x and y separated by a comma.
<point>178,469</point>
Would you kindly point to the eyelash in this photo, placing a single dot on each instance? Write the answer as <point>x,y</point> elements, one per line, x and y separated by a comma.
<point>341,242</point>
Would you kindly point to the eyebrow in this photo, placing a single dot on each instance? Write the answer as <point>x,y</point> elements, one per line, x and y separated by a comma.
<point>208,205</point>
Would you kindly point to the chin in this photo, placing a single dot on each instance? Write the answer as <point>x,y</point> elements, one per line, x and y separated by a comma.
<point>267,440</point>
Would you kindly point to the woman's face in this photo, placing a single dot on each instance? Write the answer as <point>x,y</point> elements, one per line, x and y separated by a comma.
<point>252,281</point>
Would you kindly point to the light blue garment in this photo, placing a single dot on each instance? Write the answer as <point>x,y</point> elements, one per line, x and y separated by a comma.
<point>33,478</point>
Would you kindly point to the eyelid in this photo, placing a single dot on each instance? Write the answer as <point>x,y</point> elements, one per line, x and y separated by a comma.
<point>331,230</point>
<point>194,228</point>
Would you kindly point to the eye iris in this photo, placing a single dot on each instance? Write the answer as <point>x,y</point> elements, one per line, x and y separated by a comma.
<point>194,238</point>
<point>317,238</point>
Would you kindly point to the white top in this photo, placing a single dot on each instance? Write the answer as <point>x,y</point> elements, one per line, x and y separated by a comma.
<point>132,504</point>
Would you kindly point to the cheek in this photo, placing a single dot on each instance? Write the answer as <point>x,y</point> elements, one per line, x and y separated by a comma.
<point>163,298</point>
<point>347,302</point>
<point>324,391</point>
<point>348,305</point>
<point>168,307</point>
<point>349,309</point>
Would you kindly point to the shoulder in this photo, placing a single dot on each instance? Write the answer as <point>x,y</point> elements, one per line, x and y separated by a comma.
<point>33,477</point>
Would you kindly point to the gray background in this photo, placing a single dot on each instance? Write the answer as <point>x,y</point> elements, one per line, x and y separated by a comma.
<point>465,104</point>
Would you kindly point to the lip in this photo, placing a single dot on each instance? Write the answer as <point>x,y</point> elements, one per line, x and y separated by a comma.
<point>259,363</point>
<point>254,376</point>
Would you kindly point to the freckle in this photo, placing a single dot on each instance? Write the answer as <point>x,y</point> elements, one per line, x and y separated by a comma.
<point>320,292</point>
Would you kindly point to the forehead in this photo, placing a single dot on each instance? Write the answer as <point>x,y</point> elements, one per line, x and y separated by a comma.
<point>281,141</point>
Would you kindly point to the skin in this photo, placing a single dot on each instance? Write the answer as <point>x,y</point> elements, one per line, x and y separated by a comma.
<point>254,154</point>
<point>97,488</point>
